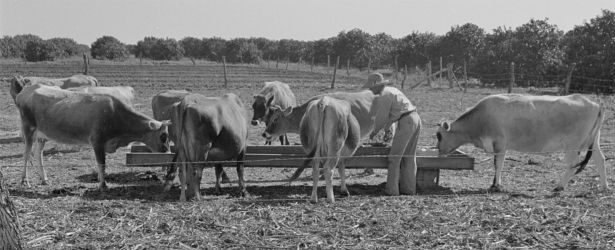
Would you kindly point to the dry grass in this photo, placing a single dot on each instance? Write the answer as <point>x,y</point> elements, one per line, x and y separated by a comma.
<point>135,214</point>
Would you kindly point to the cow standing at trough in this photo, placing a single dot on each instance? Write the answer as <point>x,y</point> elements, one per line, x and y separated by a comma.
<point>530,124</point>
<point>162,108</point>
<point>328,132</point>
<point>273,93</point>
<point>125,94</point>
<point>102,121</point>
<point>280,121</point>
<point>208,129</point>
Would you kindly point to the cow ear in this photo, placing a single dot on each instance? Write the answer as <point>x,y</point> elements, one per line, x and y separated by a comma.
<point>269,101</point>
<point>154,125</point>
<point>446,126</point>
<point>287,111</point>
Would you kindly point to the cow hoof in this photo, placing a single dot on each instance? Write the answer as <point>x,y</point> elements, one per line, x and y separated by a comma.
<point>558,189</point>
<point>244,193</point>
<point>345,193</point>
<point>25,183</point>
<point>103,187</point>
<point>45,182</point>
<point>225,180</point>
<point>495,189</point>
<point>167,187</point>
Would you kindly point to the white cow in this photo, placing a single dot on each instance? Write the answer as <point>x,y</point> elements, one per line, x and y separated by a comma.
<point>530,124</point>
<point>64,83</point>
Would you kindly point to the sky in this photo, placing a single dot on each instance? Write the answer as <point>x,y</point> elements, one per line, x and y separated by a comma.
<point>307,20</point>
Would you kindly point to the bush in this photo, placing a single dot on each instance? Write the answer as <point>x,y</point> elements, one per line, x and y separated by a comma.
<point>108,47</point>
<point>166,49</point>
<point>40,51</point>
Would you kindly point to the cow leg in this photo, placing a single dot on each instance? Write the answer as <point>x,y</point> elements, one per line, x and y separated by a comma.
<point>570,159</point>
<point>599,159</point>
<point>242,188</point>
<point>39,155</point>
<point>341,169</point>
<point>283,140</point>
<point>183,176</point>
<point>225,178</point>
<point>267,142</point>
<point>219,172</point>
<point>498,162</point>
<point>99,152</point>
<point>328,168</point>
<point>28,135</point>
<point>198,176</point>
<point>315,176</point>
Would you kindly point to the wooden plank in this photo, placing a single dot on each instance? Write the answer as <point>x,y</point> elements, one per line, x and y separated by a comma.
<point>296,160</point>
<point>298,149</point>
<point>7,140</point>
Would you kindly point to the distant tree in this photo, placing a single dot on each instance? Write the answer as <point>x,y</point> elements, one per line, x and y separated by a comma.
<point>193,47</point>
<point>592,47</point>
<point>132,49</point>
<point>381,51</point>
<point>16,45</point>
<point>462,43</point>
<point>215,48</point>
<point>268,47</point>
<point>144,47</point>
<point>41,51</point>
<point>166,49</point>
<point>353,45</point>
<point>323,48</point>
<point>239,50</point>
<point>108,47</point>
<point>66,47</point>
<point>417,49</point>
<point>496,56</point>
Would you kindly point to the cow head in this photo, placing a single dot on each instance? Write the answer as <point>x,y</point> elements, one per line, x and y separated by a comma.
<point>277,121</point>
<point>18,83</point>
<point>157,139</point>
<point>260,106</point>
<point>447,139</point>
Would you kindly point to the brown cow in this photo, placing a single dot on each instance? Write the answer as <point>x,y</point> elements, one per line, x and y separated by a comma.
<point>531,124</point>
<point>272,94</point>
<point>69,117</point>
<point>208,129</point>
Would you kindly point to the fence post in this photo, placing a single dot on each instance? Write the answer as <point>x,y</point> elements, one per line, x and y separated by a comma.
<point>286,69</point>
<point>348,67</point>
<point>337,63</point>
<point>140,58</point>
<point>569,79</point>
<point>429,73</point>
<point>369,65</point>
<point>512,77</point>
<point>440,75</point>
<point>224,66</point>
<point>328,62</point>
<point>396,70</point>
<point>312,65</point>
<point>405,76</point>
<point>465,76</point>
<point>449,74</point>
<point>86,64</point>
<point>299,64</point>
<point>277,61</point>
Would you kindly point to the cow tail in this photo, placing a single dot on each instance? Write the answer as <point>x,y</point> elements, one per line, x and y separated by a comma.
<point>322,144</point>
<point>595,132</point>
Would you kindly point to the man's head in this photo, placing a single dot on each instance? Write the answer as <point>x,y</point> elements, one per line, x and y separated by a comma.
<point>375,83</point>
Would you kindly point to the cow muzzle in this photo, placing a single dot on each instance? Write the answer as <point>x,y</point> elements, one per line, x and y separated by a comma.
<point>254,122</point>
<point>267,136</point>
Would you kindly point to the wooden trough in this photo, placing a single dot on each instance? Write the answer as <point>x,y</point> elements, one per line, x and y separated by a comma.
<point>428,162</point>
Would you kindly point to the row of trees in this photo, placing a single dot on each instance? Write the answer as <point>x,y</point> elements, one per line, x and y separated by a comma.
<point>541,51</point>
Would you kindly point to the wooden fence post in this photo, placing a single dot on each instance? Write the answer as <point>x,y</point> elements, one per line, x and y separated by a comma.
<point>348,67</point>
<point>396,70</point>
<point>312,65</point>
<point>328,62</point>
<point>440,76</point>
<point>287,60</point>
<point>429,73</point>
<point>512,77</point>
<point>86,64</point>
<point>569,79</point>
<point>465,76</point>
<point>277,61</point>
<point>10,237</point>
<point>405,76</point>
<point>369,65</point>
<point>140,58</point>
<point>299,64</point>
<point>449,74</point>
<point>224,65</point>
<point>337,63</point>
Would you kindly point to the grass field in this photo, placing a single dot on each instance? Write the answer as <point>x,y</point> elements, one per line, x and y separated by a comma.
<point>135,214</point>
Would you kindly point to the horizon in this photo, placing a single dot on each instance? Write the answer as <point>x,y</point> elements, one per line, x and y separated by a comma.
<point>277,19</point>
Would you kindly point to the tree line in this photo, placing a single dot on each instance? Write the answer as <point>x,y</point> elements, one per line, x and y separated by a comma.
<point>542,53</point>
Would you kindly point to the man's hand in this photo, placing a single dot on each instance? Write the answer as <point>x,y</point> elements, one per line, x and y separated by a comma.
<point>373,134</point>
<point>388,135</point>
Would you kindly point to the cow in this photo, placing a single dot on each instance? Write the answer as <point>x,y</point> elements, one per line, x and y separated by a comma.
<point>288,120</point>
<point>162,108</point>
<point>68,117</point>
<point>208,129</point>
<point>530,124</point>
<point>273,93</point>
<point>328,132</point>
<point>64,83</point>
